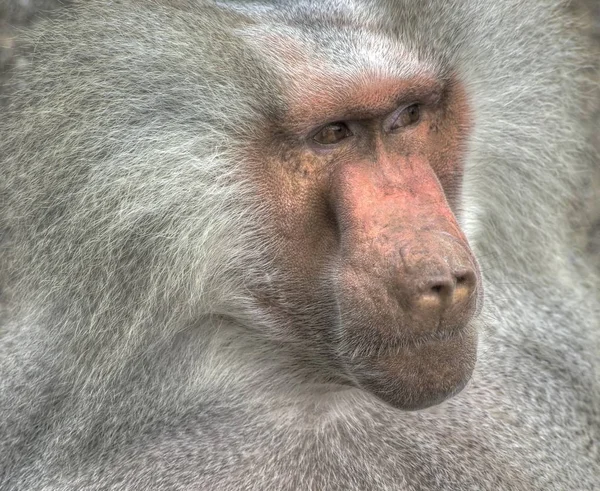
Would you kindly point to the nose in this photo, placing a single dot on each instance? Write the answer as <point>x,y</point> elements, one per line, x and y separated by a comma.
<point>439,285</point>
<point>436,294</point>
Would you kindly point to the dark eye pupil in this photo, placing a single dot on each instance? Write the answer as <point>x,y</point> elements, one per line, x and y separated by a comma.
<point>332,133</point>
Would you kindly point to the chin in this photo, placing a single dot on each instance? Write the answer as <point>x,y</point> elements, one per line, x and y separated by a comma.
<point>417,374</point>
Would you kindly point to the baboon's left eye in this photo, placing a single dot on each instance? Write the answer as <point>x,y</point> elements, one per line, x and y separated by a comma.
<point>408,116</point>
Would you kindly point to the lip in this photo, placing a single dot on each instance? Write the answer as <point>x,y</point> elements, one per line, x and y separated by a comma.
<point>384,344</point>
<point>435,337</point>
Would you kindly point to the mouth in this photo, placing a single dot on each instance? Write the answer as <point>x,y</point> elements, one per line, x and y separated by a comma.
<point>413,373</point>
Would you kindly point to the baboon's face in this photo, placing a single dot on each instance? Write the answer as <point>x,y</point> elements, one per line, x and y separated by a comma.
<point>362,177</point>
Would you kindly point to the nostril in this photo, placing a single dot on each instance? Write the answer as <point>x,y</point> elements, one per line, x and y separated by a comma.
<point>465,285</point>
<point>436,294</point>
<point>437,288</point>
<point>465,278</point>
<point>441,288</point>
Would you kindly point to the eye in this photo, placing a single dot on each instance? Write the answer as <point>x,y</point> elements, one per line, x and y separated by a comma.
<point>332,133</point>
<point>408,116</point>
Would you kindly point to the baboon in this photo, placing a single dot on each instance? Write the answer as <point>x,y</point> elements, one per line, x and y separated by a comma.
<point>297,245</point>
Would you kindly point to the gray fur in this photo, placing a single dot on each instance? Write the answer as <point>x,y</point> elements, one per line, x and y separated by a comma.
<point>134,355</point>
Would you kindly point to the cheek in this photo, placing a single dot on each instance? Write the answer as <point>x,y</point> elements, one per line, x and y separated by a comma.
<point>293,190</point>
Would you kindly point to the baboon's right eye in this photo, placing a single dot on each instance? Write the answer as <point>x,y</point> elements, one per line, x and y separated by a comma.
<point>332,133</point>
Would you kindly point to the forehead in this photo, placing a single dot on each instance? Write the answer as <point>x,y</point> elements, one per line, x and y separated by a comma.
<point>327,48</point>
<point>325,66</point>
